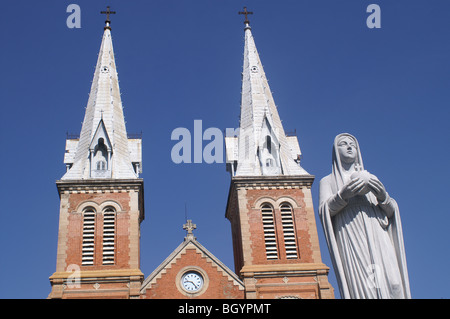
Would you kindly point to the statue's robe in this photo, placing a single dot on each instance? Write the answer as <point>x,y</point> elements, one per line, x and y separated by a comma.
<point>364,238</point>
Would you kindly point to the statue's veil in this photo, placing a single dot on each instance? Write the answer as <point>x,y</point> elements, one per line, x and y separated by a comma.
<point>337,171</point>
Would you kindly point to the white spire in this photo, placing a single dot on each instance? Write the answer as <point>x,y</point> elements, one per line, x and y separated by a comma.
<point>262,147</point>
<point>103,149</point>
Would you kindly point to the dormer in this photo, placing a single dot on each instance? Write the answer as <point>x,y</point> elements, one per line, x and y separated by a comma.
<point>269,150</point>
<point>100,153</point>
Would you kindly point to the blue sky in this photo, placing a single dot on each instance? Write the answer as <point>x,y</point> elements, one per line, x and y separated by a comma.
<point>179,61</point>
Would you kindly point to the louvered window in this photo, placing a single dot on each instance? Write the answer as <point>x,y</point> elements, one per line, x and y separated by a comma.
<point>269,232</point>
<point>290,242</point>
<point>87,252</point>
<point>109,231</point>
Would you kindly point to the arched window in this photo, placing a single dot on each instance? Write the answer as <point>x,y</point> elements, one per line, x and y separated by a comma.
<point>290,242</point>
<point>109,235</point>
<point>100,160</point>
<point>87,251</point>
<point>100,151</point>
<point>269,143</point>
<point>101,165</point>
<point>270,237</point>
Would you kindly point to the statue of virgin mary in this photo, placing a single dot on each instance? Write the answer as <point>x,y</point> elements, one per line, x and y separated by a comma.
<point>362,228</point>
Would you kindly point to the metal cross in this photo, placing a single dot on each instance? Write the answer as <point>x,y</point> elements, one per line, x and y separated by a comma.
<point>108,12</point>
<point>246,13</point>
<point>189,226</point>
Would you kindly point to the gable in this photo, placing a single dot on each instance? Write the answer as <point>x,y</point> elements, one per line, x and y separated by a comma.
<point>100,133</point>
<point>191,258</point>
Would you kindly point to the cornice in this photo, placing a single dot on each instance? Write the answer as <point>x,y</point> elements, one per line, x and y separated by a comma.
<point>275,182</point>
<point>99,185</point>
<point>284,269</point>
<point>99,274</point>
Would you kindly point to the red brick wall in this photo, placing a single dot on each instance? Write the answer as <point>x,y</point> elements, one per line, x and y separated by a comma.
<point>300,222</point>
<point>301,277</point>
<point>116,290</point>
<point>273,288</point>
<point>219,285</point>
<point>75,234</point>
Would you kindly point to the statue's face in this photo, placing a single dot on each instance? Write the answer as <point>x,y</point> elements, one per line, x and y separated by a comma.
<point>347,151</point>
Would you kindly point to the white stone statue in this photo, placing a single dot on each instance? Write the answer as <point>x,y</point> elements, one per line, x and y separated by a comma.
<point>362,227</point>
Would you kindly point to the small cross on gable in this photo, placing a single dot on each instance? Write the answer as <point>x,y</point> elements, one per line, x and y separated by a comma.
<point>189,227</point>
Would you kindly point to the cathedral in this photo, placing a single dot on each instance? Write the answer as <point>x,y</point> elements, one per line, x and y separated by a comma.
<point>269,207</point>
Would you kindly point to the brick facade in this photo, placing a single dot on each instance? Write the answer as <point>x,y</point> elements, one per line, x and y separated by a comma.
<point>255,277</point>
<point>302,277</point>
<point>76,229</point>
<point>219,281</point>
<point>122,279</point>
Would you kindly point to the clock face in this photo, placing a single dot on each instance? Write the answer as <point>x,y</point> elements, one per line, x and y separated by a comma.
<point>192,281</point>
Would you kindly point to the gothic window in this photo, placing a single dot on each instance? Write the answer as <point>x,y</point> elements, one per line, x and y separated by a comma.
<point>270,237</point>
<point>100,153</point>
<point>136,166</point>
<point>109,232</point>
<point>287,221</point>
<point>87,251</point>
<point>269,155</point>
<point>100,160</point>
<point>101,166</point>
<point>269,144</point>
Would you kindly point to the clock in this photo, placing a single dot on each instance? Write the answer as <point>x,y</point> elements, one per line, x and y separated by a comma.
<point>192,281</point>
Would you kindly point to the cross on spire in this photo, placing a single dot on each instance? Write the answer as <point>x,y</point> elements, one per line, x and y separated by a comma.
<point>189,226</point>
<point>246,13</point>
<point>107,12</point>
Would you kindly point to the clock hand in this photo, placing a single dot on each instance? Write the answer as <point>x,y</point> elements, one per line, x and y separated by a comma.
<point>192,283</point>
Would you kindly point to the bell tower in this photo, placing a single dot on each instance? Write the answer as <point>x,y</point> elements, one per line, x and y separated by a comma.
<point>101,196</point>
<point>270,208</point>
